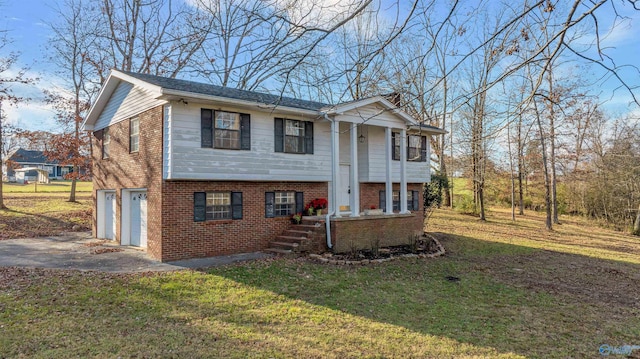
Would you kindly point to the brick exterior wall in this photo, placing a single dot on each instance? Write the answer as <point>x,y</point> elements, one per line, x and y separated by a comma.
<point>183,238</point>
<point>388,230</point>
<point>124,170</point>
<point>361,233</point>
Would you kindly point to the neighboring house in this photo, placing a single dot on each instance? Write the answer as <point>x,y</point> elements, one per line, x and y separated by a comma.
<point>22,158</point>
<point>189,170</point>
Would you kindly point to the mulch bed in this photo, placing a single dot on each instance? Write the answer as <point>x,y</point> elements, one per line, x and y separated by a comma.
<point>425,247</point>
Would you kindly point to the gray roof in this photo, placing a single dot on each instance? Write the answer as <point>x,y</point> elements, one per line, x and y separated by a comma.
<point>213,90</point>
<point>27,156</point>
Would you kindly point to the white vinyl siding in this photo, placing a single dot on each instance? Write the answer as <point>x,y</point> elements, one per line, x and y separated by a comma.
<point>190,161</point>
<point>373,168</point>
<point>126,101</point>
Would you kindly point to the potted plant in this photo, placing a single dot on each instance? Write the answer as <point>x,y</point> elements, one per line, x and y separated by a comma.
<point>296,218</point>
<point>318,205</point>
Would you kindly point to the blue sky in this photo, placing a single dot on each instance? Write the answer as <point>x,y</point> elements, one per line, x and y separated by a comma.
<point>27,19</point>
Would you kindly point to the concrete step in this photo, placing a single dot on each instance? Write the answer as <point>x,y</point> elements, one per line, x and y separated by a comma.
<point>296,233</point>
<point>281,252</point>
<point>290,239</point>
<point>285,245</point>
<point>306,227</point>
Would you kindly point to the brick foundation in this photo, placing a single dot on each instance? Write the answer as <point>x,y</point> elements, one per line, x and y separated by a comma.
<point>366,231</point>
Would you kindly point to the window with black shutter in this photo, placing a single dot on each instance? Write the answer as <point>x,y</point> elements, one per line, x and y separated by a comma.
<point>282,204</point>
<point>217,205</point>
<point>225,130</point>
<point>416,147</point>
<point>412,200</point>
<point>293,136</point>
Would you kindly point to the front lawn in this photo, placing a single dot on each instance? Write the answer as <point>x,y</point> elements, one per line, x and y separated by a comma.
<point>521,293</point>
<point>52,187</point>
<point>35,215</point>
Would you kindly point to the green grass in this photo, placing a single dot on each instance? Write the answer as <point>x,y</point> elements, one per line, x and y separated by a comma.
<point>53,187</point>
<point>520,294</point>
<point>30,214</point>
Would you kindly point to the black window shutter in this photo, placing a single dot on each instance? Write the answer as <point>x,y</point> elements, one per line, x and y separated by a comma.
<point>308,137</point>
<point>423,152</point>
<point>199,206</point>
<point>269,204</point>
<point>383,201</point>
<point>415,200</point>
<point>206,127</point>
<point>299,202</point>
<point>245,132</point>
<point>394,138</point>
<point>236,205</point>
<point>279,135</point>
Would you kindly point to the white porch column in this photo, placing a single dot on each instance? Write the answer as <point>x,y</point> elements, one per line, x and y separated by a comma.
<point>335,163</point>
<point>388,191</point>
<point>403,171</point>
<point>354,196</point>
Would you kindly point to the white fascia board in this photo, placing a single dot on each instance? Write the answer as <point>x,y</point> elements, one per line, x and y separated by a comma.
<point>169,94</point>
<point>339,109</point>
<point>433,131</point>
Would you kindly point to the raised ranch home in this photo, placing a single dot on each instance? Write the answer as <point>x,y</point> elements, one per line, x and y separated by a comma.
<point>188,170</point>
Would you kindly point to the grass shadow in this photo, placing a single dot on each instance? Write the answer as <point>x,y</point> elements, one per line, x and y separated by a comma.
<point>511,298</point>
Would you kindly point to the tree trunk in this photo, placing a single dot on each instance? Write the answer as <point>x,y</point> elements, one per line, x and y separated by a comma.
<point>547,191</point>
<point>636,224</point>
<point>552,150</point>
<point>520,150</point>
<point>2,206</point>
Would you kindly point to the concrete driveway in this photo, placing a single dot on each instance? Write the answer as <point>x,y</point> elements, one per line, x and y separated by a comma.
<point>81,252</point>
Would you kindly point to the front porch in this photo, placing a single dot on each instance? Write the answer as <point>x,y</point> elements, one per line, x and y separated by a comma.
<point>366,232</point>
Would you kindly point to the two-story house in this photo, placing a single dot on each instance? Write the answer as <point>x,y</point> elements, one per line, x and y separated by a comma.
<point>187,169</point>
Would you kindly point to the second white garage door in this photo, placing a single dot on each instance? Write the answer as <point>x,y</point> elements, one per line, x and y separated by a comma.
<point>139,218</point>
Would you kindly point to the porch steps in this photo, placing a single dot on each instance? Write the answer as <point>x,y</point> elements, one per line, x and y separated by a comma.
<point>308,236</point>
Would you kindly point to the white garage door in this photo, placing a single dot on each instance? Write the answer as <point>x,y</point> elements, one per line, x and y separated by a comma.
<point>139,219</point>
<point>109,215</point>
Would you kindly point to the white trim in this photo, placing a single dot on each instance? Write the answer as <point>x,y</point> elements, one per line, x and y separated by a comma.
<point>340,109</point>
<point>403,171</point>
<point>335,175</point>
<point>388,194</point>
<point>169,94</point>
<point>354,197</point>
<point>167,156</point>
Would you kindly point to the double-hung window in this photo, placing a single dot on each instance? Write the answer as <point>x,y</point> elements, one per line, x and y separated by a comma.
<point>283,203</point>
<point>134,135</point>
<point>416,147</point>
<point>293,136</point>
<point>217,205</point>
<point>225,130</point>
<point>106,141</point>
<point>413,200</point>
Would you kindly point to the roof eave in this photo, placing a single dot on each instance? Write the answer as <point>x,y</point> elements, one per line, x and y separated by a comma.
<point>431,130</point>
<point>170,94</point>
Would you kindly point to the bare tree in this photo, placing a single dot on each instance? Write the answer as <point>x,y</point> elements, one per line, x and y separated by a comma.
<point>74,38</point>
<point>7,96</point>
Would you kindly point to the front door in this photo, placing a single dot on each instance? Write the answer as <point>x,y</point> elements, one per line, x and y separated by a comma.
<point>139,219</point>
<point>344,190</point>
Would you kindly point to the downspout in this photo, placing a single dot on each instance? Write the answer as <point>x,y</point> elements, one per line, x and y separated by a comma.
<point>327,221</point>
